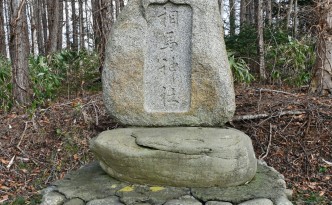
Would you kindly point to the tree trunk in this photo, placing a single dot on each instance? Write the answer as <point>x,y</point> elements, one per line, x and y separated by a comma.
<point>289,12</point>
<point>75,27</point>
<point>232,17</point>
<point>3,46</point>
<point>221,10</point>
<point>53,19</point>
<point>81,23</point>
<point>296,20</point>
<point>321,83</point>
<point>269,12</point>
<point>243,13</point>
<point>44,22</point>
<point>121,4</point>
<point>39,27</point>
<point>117,8</point>
<point>31,7</point>
<point>102,22</point>
<point>67,25</point>
<point>19,52</point>
<point>260,29</point>
<point>60,26</point>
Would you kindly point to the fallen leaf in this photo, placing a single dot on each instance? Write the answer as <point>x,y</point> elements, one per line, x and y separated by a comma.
<point>4,198</point>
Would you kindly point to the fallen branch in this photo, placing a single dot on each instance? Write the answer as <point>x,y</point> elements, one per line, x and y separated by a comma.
<point>268,146</point>
<point>274,91</point>
<point>11,162</point>
<point>261,116</point>
<point>19,143</point>
<point>327,162</point>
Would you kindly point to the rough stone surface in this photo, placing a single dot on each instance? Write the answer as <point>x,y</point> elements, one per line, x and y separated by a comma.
<point>75,202</point>
<point>166,65</point>
<point>265,184</point>
<point>282,200</point>
<point>150,194</point>
<point>53,198</point>
<point>258,202</point>
<point>186,200</point>
<point>186,156</point>
<point>107,201</point>
<point>74,185</point>
<point>217,203</point>
<point>131,194</point>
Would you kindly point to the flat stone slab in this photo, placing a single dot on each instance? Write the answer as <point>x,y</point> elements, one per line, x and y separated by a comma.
<point>166,65</point>
<point>179,156</point>
<point>268,185</point>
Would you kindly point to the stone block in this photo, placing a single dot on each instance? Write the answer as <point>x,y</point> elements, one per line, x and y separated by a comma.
<point>166,65</point>
<point>258,202</point>
<point>179,156</point>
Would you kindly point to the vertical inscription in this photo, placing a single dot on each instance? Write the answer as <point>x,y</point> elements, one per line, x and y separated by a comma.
<point>167,86</point>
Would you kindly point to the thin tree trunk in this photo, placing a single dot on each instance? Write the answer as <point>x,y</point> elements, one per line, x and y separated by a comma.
<point>102,22</point>
<point>39,27</point>
<point>296,20</point>
<point>60,27</point>
<point>278,14</point>
<point>3,46</point>
<point>117,8</point>
<point>232,17</point>
<point>121,4</point>
<point>243,11</point>
<point>260,29</point>
<point>87,28</point>
<point>44,23</point>
<point>75,27</point>
<point>31,18</point>
<point>269,12</point>
<point>289,12</point>
<point>81,23</point>
<point>221,10</point>
<point>321,83</point>
<point>19,52</point>
<point>67,25</point>
<point>53,17</point>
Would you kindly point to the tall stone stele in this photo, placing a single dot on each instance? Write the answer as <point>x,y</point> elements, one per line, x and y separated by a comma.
<point>167,76</point>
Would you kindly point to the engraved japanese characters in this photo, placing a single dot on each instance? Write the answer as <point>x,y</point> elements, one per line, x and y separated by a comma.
<point>166,65</point>
<point>168,61</point>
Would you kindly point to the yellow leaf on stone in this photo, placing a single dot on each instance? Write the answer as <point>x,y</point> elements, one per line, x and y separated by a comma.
<point>114,186</point>
<point>156,188</point>
<point>127,189</point>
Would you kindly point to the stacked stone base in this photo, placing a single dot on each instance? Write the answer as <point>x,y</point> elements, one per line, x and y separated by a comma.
<point>92,186</point>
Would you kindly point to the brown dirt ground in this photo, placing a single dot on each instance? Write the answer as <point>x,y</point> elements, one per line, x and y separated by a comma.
<point>296,139</point>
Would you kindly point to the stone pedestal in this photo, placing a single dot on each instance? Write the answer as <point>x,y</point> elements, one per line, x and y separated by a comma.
<point>178,156</point>
<point>90,185</point>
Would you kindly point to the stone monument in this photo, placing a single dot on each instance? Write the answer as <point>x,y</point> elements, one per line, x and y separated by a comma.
<point>166,72</point>
<point>167,78</point>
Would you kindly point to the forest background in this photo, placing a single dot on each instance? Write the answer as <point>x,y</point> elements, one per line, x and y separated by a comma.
<point>51,56</point>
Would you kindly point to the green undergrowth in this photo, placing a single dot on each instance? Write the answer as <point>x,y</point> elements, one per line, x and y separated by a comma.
<point>66,73</point>
<point>288,61</point>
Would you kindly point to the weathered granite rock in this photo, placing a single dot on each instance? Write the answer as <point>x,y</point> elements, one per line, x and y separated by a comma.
<point>186,156</point>
<point>74,184</point>
<point>217,203</point>
<point>154,195</point>
<point>266,184</point>
<point>282,200</point>
<point>107,201</point>
<point>75,201</point>
<point>53,198</point>
<point>166,65</point>
<point>258,202</point>
<point>186,200</point>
